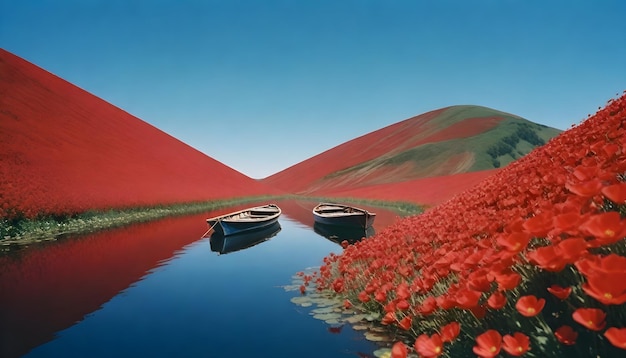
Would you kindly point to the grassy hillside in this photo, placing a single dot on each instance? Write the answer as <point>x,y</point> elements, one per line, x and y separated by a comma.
<point>448,141</point>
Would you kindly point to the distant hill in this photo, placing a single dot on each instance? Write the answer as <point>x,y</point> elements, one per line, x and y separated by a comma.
<point>63,150</point>
<point>441,143</point>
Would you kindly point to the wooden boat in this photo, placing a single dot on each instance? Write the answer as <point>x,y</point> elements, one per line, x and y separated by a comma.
<point>343,215</point>
<point>243,240</point>
<point>245,220</point>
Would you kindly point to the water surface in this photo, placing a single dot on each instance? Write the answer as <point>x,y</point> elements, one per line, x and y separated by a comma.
<point>160,290</point>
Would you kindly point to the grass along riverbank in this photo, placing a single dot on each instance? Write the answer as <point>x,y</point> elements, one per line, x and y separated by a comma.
<point>19,232</point>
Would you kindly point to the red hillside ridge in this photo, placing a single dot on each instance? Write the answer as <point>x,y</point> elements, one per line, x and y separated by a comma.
<point>65,150</point>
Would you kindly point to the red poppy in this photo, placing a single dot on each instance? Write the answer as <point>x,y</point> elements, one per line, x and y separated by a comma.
<point>539,225</point>
<point>560,292</point>
<point>585,189</point>
<point>403,305</point>
<point>530,306</point>
<point>566,335</point>
<point>402,291</point>
<point>608,289</point>
<point>572,249</point>
<point>399,350</point>
<point>547,258</point>
<point>607,227</point>
<point>450,331</point>
<point>508,280</point>
<point>347,304</point>
<point>497,300</point>
<point>517,344</point>
<point>467,298</point>
<point>364,297</point>
<point>405,323</point>
<point>488,344</point>
<point>604,277</point>
<point>514,242</point>
<point>592,318</point>
<point>389,318</point>
<point>302,289</point>
<point>617,337</point>
<point>429,346</point>
<point>616,193</point>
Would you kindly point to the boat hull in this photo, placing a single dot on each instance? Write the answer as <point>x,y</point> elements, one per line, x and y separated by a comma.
<point>344,216</point>
<point>245,220</point>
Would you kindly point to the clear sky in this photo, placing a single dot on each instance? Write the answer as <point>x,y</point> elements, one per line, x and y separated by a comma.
<point>262,85</point>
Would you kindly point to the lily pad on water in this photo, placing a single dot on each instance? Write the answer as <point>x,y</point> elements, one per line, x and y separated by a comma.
<point>323,310</point>
<point>302,301</point>
<point>382,353</point>
<point>327,316</point>
<point>376,337</point>
<point>289,288</point>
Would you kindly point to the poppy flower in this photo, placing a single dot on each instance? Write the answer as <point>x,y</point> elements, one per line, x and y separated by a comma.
<point>585,189</point>
<point>347,304</point>
<point>389,318</point>
<point>517,344</point>
<point>572,249</point>
<point>616,193</point>
<point>592,318</point>
<point>539,225</point>
<point>560,292</point>
<point>405,323</point>
<point>508,280</point>
<point>399,350</point>
<point>364,297</point>
<point>530,306</point>
<point>450,331</point>
<point>302,289</point>
<point>402,291</point>
<point>467,298</point>
<point>514,242</point>
<point>547,258</point>
<point>403,305</point>
<point>428,346</point>
<point>488,344</point>
<point>617,337</point>
<point>607,227</point>
<point>497,300</point>
<point>566,335</point>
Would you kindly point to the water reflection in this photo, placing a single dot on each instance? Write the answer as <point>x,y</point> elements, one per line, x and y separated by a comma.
<point>231,243</point>
<point>152,290</point>
<point>337,234</point>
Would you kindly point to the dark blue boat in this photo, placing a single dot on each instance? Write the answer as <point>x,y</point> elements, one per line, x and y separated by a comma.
<point>245,220</point>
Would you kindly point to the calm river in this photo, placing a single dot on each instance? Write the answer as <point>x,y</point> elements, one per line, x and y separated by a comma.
<point>161,290</point>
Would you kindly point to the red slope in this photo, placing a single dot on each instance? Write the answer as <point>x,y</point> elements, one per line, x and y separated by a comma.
<point>428,191</point>
<point>64,150</point>
<point>389,140</point>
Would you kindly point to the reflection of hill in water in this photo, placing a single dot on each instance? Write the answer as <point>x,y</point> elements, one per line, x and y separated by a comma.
<point>338,234</point>
<point>47,288</point>
<point>231,243</point>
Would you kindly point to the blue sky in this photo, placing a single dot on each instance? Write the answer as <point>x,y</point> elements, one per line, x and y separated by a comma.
<point>263,85</point>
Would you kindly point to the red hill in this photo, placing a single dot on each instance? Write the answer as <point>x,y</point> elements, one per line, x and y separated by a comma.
<point>64,150</point>
<point>407,157</point>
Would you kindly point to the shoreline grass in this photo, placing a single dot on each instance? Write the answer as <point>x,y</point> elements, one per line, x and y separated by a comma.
<point>16,233</point>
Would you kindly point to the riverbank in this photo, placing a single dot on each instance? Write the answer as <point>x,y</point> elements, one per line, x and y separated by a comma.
<point>22,232</point>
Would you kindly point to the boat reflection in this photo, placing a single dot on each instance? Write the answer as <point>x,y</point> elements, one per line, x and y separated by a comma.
<point>240,241</point>
<point>339,233</point>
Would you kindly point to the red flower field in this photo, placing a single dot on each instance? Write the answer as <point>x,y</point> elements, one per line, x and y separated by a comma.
<point>66,151</point>
<point>532,259</point>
